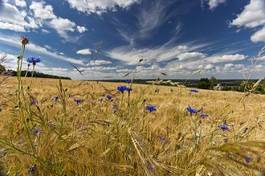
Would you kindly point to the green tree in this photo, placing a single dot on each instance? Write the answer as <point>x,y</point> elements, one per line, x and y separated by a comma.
<point>204,83</point>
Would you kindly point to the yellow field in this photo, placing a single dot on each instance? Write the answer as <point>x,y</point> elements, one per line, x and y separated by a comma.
<point>45,135</point>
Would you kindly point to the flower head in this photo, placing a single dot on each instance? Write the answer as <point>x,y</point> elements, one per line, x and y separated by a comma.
<point>32,169</point>
<point>122,89</point>
<point>33,60</point>
<point>248,159</point>
<point>24,40</point>
<point>34,101</point>
<point>36,131</point>
<point>162,138</point>
<point>150,108</point>
<point>192,110</point>
<point>78,101</point>
<point>224,127</point>
<point>109,97</point>
<point>55,98</point>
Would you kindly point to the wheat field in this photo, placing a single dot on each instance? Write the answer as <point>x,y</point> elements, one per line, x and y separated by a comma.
<point>91,128</point>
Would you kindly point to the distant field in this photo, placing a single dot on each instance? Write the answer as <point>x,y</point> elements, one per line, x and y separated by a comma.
<point>98,136</point>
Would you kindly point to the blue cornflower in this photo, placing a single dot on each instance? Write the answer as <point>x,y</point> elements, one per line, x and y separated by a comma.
<point>122,89</point>
<point>33,60</point>
<point>78,101</point>
<point>224,127</point>
<point>194,91</point>
<point>248,159</point>
<point>109,97</point>
<point>150,108</point>
<point>192,110</point>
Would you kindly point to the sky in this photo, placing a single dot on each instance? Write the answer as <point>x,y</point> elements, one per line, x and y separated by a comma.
<point>105,39</point>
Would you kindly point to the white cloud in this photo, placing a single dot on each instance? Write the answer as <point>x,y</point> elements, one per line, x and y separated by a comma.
<point>62,26</point>
<point>81,29</point>
<point>209,66</point>
<point>21,3</point>
<point>38,15</point>
<point>99,6</point>
<point>253,15</point>
<point>132,56</point>
<point>99,62</point>
<point>191,56</point>
<point>42,11</point>
<point>148,19</point>
<point>17,21</point>
<point>11,41</point>
<point>214,3</point>
<point>233,67</point>
<point>151,18</point>
<point>9,26</point>
<point>86,51</point>
<point>259,36</point>
<point>226,58</point>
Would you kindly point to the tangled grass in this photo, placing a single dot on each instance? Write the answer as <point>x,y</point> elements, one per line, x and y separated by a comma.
<point>83,128</point>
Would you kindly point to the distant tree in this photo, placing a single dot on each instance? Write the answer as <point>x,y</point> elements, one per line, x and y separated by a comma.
<point>213,82</point>
<point>204,83</point>
<point>2,69</point>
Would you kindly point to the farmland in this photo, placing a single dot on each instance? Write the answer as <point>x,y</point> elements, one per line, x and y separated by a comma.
<point>91,128</point>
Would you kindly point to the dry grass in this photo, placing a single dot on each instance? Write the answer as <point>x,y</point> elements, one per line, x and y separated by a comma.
<point>119,137</point>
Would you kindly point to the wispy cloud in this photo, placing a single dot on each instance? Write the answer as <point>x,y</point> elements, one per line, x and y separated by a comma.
<point>13,41</point>
<point>86,51</point>
<point>148,19</point>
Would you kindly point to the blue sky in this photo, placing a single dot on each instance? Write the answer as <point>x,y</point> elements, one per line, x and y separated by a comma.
<point>106,38</point>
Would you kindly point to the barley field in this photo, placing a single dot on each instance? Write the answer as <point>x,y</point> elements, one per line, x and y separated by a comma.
<point>93,128</point>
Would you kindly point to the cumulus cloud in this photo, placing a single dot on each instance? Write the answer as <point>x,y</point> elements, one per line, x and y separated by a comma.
<point>253,16</point>
<point>17,21</point>
<point>99,6</point>
<point>226,58</point>
<point>62,26</point>
<point>38,15</point>
<point>259,36</point>
<point>86,51</point>
<point>81,29</point>
<point>43,13</point>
